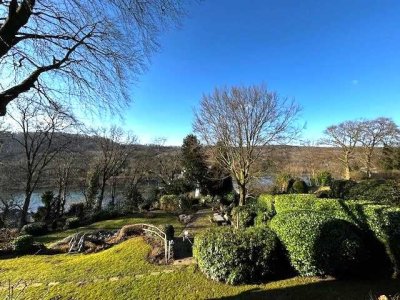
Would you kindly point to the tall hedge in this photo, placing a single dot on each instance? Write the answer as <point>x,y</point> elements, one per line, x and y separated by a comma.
<point>320,244</point>
<point>239,256</point>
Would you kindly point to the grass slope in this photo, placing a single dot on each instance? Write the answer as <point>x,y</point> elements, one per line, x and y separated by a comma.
<point>122,272</point>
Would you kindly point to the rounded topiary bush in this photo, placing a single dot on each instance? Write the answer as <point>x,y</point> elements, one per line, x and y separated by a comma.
<point>35,229</point>
<point>23,244</point>
<point>239,256</point>
<point>319,244</point>
<point>299,187</point>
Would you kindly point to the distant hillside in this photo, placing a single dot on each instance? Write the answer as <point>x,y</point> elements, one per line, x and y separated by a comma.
<point>295,160</point>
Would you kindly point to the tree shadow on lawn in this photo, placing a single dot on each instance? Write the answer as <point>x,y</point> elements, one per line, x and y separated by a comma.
<point>332,289</point>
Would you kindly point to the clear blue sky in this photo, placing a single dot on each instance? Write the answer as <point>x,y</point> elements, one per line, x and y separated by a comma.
<point>339,59</point>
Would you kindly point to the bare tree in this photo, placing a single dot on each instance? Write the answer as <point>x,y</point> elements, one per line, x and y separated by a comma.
<point>375,133</point>
<point>239,122</point>
<point>37,131</point>
<point>64,168</point>
<point>165,164</point>
<point>345,136</point>
<point>115,148</point>
<point>78,51</point>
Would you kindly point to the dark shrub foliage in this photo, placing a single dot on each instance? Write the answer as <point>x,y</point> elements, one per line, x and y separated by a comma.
<point>218,182</point>
<point>24,244</point>
<point>341,188</point>
<point>299,187</point>
<point>133,199</point>
<point>179,186</point>
<point>384,191</point>
<point>239,256</point>
<point>71,223</point>
<point>319,244</point>
<point>35,229</point>
<point>104,214</point>
<point>76,210</point>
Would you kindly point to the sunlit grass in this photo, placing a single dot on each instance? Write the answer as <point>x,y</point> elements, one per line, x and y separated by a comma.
<point>122,272</point>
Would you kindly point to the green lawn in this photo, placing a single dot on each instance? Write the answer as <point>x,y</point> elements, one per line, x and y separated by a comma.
<point>122,272</point>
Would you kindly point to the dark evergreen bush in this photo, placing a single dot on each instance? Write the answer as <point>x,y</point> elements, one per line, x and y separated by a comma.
<point>35,229</point>
<point>383,191</point>
<point>239,256</point>
<point>76,210</point>
<point>24,244</point>
<point>340,188</point>
<point>71,223</point>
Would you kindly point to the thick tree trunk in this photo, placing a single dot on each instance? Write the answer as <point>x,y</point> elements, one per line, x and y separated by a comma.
<point>347,170</point>
<point>24,212</point>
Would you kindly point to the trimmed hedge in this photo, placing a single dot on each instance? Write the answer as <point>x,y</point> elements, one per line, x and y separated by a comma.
<point>246,215</point>
<point>382,191</point>
<point>35,229</point>
<point>266,209</point>
<point>239,256</point>
<point>380,223</point>
<point>319,244</point>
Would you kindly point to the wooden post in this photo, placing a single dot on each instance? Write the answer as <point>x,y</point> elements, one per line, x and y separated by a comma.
<point>166,250</point>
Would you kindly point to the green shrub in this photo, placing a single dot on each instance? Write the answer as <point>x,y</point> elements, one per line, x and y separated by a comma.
<point>319,244</point>
<point>35,229</point>
<point>340,188</point>
<point>284,182</point>
<point>169,202</point>
<point>104,214</point>
<point>71,223</point>
<point>238,256</point>
<point>323,178</point>
<point>185,203</point>
<point>23,244</point>
<point>384,191</point>
<point>299,187</point>
<point>244,215</point>
<point>380,223</point>
<point>76,210</point>
<point>265,209</point>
